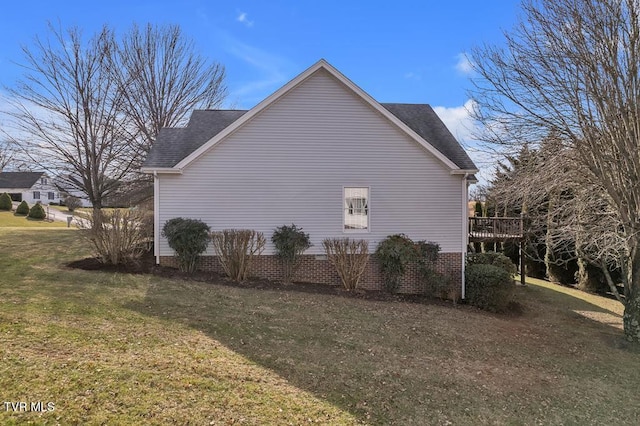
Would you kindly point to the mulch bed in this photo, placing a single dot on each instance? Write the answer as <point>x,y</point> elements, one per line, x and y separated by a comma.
<point>147,265</point>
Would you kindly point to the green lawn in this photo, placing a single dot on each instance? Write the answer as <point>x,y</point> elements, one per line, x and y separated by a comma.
<point>136,349</point>
<point>10,220</point>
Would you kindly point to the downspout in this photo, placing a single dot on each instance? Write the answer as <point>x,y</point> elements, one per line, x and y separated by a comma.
<point>156,217</point>
<point>465,231</point>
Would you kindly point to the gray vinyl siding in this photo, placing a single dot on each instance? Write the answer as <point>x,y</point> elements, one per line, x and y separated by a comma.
<point>290,163</point>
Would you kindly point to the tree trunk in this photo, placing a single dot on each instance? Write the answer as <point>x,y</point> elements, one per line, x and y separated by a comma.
<point>631,317</point>
<point>586,281</point>
<point>552,272</point>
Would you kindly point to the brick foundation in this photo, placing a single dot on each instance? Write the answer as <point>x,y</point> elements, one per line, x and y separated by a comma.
<point>316,269</point>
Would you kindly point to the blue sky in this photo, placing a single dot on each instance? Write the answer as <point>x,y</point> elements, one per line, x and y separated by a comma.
<point>403,51</point>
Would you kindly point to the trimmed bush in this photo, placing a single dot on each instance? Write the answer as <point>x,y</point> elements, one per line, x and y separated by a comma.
<point>436,284</point>
<point>72,203</point>
<point>236,248</point>
<point>37,212</point>
<point>394,253</point>
<point>290,243</point>
<point>489,287</point>
<point>22,209</point>
<point>5,202</point>
<point>118,237</point>
<point>493,258</point>
<point>349,257</point>
<point>189,238</point>
<point>441,286</point>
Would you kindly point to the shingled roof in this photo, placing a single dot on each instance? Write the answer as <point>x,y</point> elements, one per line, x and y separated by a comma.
<point>423,120</point>
<point>175,144</point>
<point>19,179</point>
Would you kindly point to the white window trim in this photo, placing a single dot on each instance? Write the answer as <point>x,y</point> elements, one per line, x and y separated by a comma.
<point>357,231</point>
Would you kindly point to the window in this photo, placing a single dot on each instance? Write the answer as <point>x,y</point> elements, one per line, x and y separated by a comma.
<point>51,195</point>
<point>356,209</point>
<point>43,181</point>
<point>36,195</point>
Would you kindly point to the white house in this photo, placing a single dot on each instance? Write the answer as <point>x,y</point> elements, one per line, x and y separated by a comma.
<point>31,187</point>
<point>69,186</point>
<point>323,154</point>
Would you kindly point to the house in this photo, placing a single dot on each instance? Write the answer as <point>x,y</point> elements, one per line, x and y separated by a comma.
<point>323,154</point>
<point>70,186</point>
<point>30,187</point>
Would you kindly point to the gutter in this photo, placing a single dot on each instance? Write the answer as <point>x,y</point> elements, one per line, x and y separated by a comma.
<point>465,231</point>
<point>156,170</point>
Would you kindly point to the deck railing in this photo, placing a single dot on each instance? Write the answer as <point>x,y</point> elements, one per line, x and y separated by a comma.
<point>495,228</point>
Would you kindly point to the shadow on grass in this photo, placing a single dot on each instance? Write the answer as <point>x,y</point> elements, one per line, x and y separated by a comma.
<point>573,299</point>
<point>383,362</point>
<point>317,348</point>
<point>380,361</point>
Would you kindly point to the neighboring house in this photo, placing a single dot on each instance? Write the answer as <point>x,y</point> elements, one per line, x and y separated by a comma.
<point>30,187</point>
<point>68,185</point>
<point>322,154</point>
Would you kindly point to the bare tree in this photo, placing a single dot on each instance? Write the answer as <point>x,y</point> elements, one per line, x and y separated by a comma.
<point>163,79</point>
<point>89,110</point>
<point>66,112</point>
<point>571,67</point>
<point>7,153</point>
<point>569,223</point>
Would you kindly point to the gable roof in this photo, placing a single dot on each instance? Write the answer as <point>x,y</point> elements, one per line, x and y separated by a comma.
<point>19,179</point>
<point>174,144</point>
<point>177,147</point>
<point>423,120</point>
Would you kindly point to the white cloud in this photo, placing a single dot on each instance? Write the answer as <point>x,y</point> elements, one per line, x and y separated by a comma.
<point>460,123</point>
<point>242,18</point>
<point>464,64</point>
<point>458,120</point>
<point>272,70</point>
<point>412,76</point>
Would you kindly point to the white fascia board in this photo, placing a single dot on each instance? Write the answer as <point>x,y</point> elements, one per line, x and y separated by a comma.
<point>464,171</point>
<point>293,83</point>
<point>168,170</point>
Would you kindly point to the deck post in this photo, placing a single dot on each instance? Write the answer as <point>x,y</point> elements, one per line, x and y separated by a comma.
<point>522,267</point>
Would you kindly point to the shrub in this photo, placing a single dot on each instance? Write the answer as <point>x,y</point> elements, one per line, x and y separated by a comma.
<point>493,258</point>
<point>37,212</point>
<point>442,286</point>
<point>290,243</point>
<point>5,202</point>
<point>435,283</point>
<point>394,253</point>
<point>235,249</point>
<point>189,238</point>
<point>72,203</point>
<point>117,237</point>
<point>427,254</point>
<point>349,257</point>
<point>488,287</point>
<point>23,208</point>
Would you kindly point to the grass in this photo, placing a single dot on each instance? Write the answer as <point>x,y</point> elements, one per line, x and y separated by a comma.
<point>10,220</point>
<point>64,209</point>
<point>131,349</point>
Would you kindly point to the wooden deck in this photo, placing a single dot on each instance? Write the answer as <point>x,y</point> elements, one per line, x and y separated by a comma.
<point>498,229</point>
<point>495,229</point>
